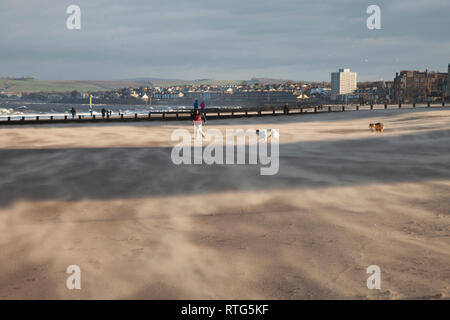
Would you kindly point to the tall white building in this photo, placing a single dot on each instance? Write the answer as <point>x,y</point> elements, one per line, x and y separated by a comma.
<point>342,82</point>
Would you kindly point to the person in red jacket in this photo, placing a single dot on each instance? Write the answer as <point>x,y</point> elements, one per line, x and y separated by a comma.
<point>198,118</point>
<point>202,106</point>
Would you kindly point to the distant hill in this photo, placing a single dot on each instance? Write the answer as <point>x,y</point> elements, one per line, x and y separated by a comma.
<point>28,85</point>
<point>177,82</point>
<point>161,82</point>
<point>34,85</point>
<point>267,81</point>
<point>150,79</point>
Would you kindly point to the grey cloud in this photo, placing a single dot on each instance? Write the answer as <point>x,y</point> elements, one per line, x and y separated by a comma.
<point>221,39</point>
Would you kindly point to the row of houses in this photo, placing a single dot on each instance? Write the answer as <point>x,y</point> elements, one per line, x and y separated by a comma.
<point>407,86</point>
<point>421,86</point>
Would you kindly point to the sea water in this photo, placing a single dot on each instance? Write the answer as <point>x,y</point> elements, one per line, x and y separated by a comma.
<point>16,109</point>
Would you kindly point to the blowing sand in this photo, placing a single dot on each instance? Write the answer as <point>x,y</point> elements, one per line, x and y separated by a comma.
<point>108,199</point>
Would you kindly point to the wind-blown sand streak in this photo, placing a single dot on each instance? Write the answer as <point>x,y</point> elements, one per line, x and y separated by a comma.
<point>108,199</point>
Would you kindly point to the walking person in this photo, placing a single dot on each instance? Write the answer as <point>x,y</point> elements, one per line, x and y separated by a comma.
<point>198,118</point>
<point>91,108</point>
<point>196,104</point>
<point>203,106</point>
<point>73,112</point>
<point>103,113</point>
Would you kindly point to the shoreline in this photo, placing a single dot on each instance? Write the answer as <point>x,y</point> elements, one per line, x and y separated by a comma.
<point>211,113</point>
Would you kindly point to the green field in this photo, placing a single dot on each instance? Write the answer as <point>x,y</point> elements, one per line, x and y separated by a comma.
<point>28,85</point>
<point>171,83</point>
<point>34,85</point>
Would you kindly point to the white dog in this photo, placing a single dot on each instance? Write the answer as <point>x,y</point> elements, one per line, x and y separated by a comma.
<point>274,133</point>
<point>263,134</point>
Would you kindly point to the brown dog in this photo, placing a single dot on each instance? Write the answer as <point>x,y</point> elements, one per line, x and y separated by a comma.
<point>377,127</point>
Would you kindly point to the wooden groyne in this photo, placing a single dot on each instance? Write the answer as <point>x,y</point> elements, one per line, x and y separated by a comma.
<point>212,113</point>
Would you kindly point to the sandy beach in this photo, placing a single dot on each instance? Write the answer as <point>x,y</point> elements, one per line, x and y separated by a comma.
<point>108,199</point>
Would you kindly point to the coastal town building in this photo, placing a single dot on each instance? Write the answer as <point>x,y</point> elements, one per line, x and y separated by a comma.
<point>418,86</point>
<point>343,83</point>
<point>374,92</point>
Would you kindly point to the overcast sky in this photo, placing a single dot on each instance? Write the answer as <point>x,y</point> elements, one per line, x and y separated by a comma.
<point>228,39</point>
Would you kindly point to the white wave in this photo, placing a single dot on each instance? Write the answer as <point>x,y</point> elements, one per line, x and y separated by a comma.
<point>9,111</point>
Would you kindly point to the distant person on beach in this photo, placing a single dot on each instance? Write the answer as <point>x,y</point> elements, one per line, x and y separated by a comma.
<point>73,112</point>
<point>202,106</point>
<point>103,112</point>
<point>91,111</point>
<point>196,104</point>
<point>198,118</point>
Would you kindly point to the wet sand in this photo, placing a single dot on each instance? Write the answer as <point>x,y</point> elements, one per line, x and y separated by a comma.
<point>108,199</point>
